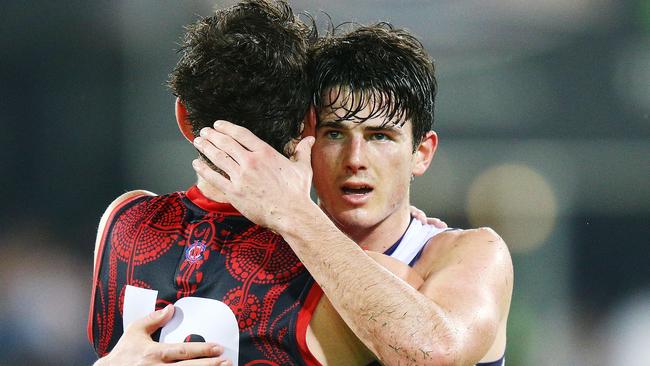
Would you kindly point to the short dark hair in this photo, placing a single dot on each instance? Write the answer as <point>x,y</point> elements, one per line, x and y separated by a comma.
<point>247,64</point>
<point>376,64</point>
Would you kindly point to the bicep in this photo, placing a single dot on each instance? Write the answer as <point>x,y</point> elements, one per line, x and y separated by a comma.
<point>472,282</point>
<point>399,269</point>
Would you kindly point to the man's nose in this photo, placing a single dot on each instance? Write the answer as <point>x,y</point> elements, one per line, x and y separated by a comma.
<point>355,158</point>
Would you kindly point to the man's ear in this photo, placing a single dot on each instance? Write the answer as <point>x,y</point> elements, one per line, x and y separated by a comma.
<point>424,153</point>
<point>309,123</point>
<point>183,123</point>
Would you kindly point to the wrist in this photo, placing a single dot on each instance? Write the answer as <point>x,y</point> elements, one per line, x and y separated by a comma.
<point>302,215</point>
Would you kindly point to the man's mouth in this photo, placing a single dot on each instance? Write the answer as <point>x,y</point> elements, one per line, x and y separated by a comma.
<point>356,193</point>
<point>360,190</point>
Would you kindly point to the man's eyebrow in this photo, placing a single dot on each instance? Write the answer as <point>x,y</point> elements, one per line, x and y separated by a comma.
<point>394,127</point>
<point>330,124</point>
<point>386,127</point>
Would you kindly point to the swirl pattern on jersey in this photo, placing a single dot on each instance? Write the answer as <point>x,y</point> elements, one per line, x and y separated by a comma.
<point>169,244</point>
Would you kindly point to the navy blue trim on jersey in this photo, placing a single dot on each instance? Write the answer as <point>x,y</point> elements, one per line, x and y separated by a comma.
<point>393,247</point>
<point>499,362</point>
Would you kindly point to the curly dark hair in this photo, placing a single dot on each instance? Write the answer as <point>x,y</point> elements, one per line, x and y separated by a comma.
<point>247,64</point>
<point>380,66</point>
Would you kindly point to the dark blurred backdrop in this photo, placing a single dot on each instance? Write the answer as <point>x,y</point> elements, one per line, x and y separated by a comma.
<point>543,118</point>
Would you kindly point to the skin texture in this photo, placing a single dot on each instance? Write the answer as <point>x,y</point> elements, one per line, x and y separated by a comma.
<point>456,317</point>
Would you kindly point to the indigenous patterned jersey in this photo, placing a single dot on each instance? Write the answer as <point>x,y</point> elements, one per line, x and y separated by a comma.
<point>182,245</point>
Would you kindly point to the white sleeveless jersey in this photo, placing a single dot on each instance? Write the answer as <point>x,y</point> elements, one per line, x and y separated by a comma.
<point>412,243</point>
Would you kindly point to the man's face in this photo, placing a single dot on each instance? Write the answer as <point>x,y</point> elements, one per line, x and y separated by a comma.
<point>362,171</point>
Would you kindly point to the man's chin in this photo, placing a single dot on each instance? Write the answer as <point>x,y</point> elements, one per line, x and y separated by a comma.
<point>352,218</point>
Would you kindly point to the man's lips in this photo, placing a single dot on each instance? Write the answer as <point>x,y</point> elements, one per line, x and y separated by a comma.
<point>356,192</point>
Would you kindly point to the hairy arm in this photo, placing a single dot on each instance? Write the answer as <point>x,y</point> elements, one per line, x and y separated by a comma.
<point>451,319</point>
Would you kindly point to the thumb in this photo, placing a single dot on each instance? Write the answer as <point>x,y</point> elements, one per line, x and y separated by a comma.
<point>154,320</point>
<point>302,154</point>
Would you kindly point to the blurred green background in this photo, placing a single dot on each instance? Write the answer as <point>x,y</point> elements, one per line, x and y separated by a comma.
<point>543,119</point>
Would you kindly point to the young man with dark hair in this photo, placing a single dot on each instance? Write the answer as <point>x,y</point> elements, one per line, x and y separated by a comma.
<point>375,96</point>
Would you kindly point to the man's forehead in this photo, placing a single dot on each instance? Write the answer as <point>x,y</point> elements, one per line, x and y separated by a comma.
<point>344,107</point>
<point>370,124</point>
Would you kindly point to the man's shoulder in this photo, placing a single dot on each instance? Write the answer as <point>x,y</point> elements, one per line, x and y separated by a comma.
<point>127,196</point>
<point>481,234</point>
<point>114,206</point>
<point>483,244</point>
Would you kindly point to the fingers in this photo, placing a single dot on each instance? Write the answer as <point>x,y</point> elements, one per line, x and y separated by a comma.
<point>190,350</point>
<point>437,223</point>
<point>217,156</point>
<point>302,152</point>
<point>422,217</point>
<point>216,361</point>
<point>221,142</point>
<point>153,321</point>
<point>215,178</point>
<point>240,134</point>
<point>418,214</point>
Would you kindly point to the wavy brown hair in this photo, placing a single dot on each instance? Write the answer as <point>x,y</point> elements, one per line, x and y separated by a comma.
<point>247,64</point>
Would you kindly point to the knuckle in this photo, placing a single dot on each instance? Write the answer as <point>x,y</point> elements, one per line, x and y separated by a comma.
<point>171,354</point>
<point>152,354</point>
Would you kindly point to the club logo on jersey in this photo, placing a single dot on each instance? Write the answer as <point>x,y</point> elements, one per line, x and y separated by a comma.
<point>194,252</point>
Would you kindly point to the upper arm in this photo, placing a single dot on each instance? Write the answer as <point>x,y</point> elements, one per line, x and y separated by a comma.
<point>107,214</point>
<point>470,278</point>
<point>398,268</point>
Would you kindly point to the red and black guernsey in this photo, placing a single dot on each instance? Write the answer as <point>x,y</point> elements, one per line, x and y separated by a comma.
<point>183,244</point>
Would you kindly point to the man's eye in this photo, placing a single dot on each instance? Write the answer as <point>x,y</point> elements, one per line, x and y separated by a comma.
<point>379,136</point>
<point>334,135</point>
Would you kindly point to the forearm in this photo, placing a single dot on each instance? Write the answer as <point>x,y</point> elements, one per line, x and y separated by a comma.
<point>400,325</point>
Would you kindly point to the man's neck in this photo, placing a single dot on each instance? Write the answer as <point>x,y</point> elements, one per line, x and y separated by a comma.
<point>381,236</point>
<point>211,191</point>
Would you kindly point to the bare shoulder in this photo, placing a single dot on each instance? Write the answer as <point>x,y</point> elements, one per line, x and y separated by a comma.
<point>483,243</point>
<point>469,272</point>
<point>107,213</point>
<point>469,255</point>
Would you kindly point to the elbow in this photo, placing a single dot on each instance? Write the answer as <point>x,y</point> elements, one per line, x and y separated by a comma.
<point>446,354</point>
<point>428,351</point>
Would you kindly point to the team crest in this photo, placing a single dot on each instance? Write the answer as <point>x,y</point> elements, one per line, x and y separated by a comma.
<point>194,252</point>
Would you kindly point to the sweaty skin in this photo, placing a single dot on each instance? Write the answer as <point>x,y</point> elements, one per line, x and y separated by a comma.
<point>331,341</point>
<point>458,314</point>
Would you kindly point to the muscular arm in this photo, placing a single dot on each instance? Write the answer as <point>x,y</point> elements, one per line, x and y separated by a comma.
<point>451,320</point>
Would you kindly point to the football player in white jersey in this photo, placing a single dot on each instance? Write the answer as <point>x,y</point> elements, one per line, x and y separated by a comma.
<point>375,93</point>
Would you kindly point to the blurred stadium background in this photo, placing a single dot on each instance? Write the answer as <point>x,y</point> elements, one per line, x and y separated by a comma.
<point>543,116</point>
